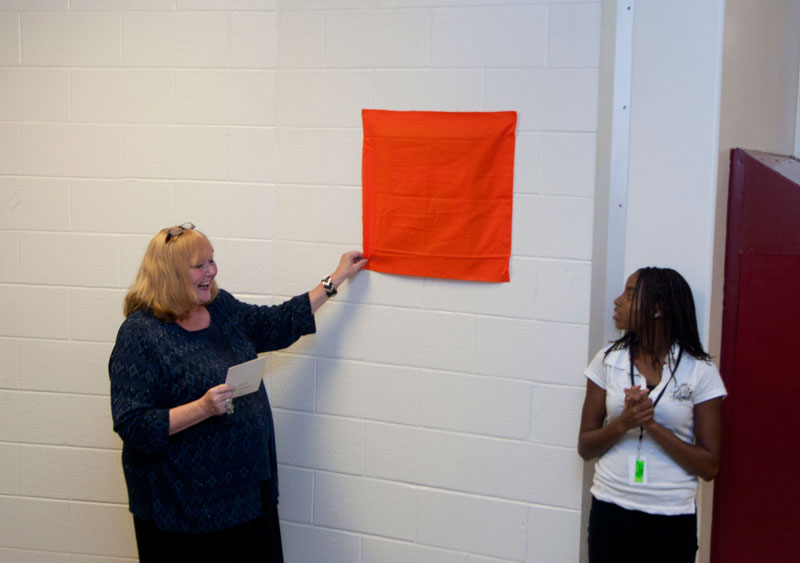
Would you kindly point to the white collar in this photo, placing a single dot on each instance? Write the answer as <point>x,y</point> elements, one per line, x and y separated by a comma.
<point>620,358</point>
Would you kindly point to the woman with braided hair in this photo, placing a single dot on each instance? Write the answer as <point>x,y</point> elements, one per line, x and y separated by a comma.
<point>652,419</point>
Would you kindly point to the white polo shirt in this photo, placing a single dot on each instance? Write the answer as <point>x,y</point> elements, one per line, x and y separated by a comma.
<point>669,489</point>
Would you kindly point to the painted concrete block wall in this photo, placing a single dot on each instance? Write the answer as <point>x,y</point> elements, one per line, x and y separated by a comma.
<point>428,420</point>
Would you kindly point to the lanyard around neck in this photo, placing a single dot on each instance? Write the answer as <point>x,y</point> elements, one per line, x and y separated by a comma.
<point>672,369</point>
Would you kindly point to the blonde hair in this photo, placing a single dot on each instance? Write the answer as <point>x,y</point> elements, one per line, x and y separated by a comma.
<point>163,284</point>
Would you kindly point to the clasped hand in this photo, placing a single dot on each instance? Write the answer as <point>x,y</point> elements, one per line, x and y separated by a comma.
<point>639,407</point>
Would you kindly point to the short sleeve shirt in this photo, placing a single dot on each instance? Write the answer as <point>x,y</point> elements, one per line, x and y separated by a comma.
<point>669,489</point>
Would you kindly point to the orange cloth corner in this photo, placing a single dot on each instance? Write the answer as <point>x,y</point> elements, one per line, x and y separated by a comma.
<point>437,193</point>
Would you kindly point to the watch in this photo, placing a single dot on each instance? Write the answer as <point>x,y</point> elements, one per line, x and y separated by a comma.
<point>327,283</point>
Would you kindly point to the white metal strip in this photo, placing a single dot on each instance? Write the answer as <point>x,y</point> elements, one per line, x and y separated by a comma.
<point>618,171</point>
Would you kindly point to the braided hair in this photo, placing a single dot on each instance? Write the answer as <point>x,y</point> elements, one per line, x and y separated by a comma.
<point>664,293</point>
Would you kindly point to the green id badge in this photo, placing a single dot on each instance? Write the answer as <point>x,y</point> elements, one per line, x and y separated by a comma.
<point>637,470</point>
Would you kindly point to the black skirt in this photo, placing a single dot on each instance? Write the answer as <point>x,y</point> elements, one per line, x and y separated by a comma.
<point>261,536</point>
<point>619,535</point>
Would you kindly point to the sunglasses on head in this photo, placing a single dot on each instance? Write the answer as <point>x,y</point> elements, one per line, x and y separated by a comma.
<point>175,232</point>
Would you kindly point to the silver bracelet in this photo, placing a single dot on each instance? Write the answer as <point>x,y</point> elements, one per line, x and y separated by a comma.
<point>327,283</point>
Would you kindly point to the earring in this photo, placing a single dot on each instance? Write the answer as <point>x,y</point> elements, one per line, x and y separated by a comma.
<point>657,315</point>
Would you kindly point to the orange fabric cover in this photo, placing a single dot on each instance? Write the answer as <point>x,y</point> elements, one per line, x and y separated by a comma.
<point>437,193</point>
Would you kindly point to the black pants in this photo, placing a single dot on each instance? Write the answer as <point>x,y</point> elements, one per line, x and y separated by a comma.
<point>261,536</point>
<point>618,535</point>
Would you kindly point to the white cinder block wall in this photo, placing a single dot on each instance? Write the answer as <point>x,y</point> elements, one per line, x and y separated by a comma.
<point>428,420</point>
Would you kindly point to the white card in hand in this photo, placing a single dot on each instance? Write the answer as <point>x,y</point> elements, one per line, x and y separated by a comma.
<point>246,377</point>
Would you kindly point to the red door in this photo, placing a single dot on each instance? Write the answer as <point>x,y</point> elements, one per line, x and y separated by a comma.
<point>757,493</point>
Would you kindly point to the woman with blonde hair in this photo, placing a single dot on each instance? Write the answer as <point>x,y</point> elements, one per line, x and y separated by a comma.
<point>200,466</point>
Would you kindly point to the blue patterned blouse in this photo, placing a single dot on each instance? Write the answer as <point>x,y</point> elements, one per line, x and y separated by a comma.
<point>209,476</point>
